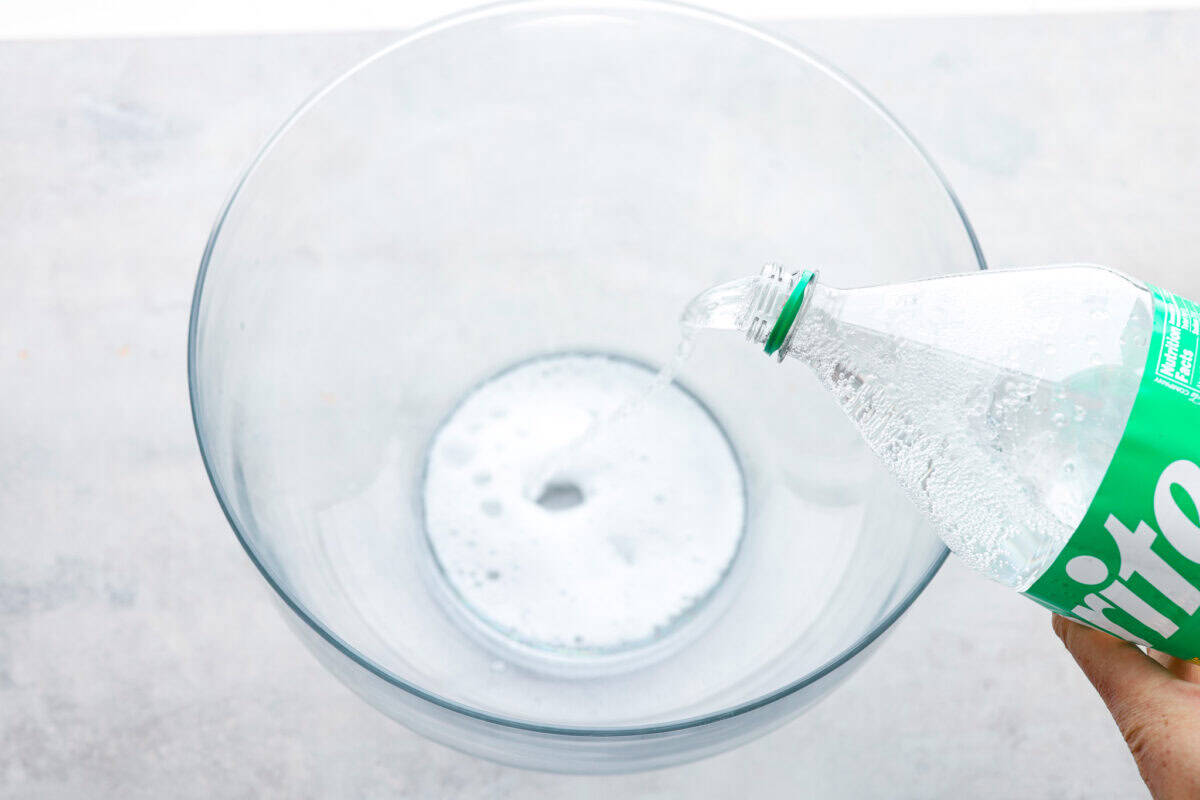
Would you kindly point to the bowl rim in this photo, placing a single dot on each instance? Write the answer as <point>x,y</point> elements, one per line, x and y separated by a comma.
<point>524,6</point>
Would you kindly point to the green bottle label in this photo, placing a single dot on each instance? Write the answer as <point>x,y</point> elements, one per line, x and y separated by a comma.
<point>1132,568</point>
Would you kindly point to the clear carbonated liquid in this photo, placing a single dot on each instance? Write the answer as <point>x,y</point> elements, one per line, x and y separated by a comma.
<point>996,399</point>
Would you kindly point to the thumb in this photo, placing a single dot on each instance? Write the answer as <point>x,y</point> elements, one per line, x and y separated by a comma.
<point>1135,687</point>
<point>1120,671</point>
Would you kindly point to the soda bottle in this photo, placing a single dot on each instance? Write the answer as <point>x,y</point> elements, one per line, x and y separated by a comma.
<point>1046,420</point>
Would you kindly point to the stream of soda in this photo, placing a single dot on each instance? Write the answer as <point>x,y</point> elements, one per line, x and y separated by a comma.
<point>720,308</point>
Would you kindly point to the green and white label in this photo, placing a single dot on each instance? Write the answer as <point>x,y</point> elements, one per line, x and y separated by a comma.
<point>1132,568</point>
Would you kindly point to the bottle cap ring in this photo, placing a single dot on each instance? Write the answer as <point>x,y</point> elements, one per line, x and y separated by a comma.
<point>787,314</point>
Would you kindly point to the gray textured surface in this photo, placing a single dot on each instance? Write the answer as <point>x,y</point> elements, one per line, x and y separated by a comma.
<point>141,655</point>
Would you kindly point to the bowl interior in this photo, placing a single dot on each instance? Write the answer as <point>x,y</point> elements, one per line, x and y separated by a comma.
<point>548,178</point>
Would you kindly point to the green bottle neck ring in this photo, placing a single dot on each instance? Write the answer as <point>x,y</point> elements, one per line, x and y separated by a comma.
<point>787,314</point>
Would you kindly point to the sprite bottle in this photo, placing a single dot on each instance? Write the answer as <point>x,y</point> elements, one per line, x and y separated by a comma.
<point>1046,420</point>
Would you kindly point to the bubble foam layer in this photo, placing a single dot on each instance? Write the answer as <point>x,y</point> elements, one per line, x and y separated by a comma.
<point>626,539</point>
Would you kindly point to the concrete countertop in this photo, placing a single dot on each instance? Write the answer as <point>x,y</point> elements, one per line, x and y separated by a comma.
<point>142,656</point>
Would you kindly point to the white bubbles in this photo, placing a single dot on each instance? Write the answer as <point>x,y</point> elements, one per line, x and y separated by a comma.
<point>612,548</point>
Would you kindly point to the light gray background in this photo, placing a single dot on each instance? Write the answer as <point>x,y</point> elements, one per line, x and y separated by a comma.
<point>140,653</point>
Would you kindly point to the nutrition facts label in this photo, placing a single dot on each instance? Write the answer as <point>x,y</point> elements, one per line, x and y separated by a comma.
<point>1180,340</point>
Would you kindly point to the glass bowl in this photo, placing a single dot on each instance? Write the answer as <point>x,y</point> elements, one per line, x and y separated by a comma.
<point>531,181</point>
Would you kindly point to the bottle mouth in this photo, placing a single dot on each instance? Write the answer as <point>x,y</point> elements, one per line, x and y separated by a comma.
<point>773,310</point>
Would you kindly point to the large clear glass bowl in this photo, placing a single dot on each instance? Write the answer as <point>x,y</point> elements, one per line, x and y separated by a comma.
<point>547,177</point>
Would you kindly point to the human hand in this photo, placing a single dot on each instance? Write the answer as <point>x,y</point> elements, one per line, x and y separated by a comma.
<point>1155,700</point>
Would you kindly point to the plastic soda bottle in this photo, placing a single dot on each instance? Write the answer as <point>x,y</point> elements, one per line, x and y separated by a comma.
<point>1046,420</point>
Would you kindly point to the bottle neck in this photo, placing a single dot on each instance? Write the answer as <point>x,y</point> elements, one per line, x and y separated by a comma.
<point>779,299</point>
